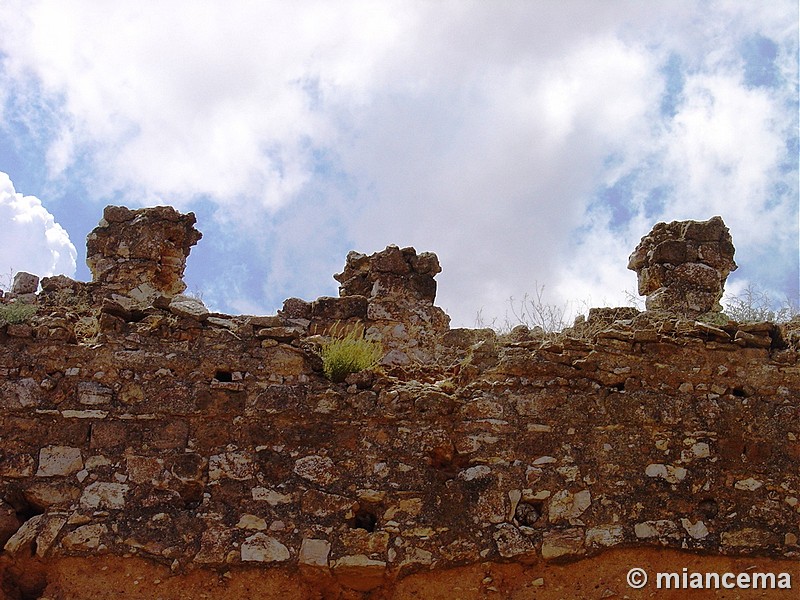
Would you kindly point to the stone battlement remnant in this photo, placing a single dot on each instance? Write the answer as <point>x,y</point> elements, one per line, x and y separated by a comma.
<point>141,252</point>
<point>400,272</point>
<point>399,288</point>
<point>682,266</point>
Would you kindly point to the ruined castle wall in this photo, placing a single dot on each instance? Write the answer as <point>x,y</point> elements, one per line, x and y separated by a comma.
<point>206,443</point>
<point>196,440</point>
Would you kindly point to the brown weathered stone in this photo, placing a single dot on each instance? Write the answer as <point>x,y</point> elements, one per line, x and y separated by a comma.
<point>59,460</point>
<point>339,309</point>
<point>359,572</point>
<point>51,494</point>
<point>58,283</point>
<point>392,271</point>
<point>144,248</point>
<point>24,283</point>
<point>107,434</point>
<point>85,538</point>
<point>24,536</point>
<point>315,552</point>
<point>263,548</point>
<point>563,544</point>
<point>191,308</point>
<point>399,287</point>
<point>682,266</point>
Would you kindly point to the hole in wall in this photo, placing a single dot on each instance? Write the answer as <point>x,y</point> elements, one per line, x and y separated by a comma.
<point>28,512</point>
<point>24,510</point>
<point>364,519</point>
<point>743,391</point>
<point>528,513</point>
<point>708,507</point>
<point>225,376</point>
<point>24,507</point>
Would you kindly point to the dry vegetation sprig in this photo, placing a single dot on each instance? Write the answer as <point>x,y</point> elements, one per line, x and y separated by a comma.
<point>753,305</point>
<point>535,313</point>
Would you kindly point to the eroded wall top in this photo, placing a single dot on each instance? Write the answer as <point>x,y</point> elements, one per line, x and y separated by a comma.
<point>141,252</point>
<point>193,438</point>
<point>682,266</point>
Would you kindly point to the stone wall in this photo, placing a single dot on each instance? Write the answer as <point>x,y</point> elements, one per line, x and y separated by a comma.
<point>208,442</point>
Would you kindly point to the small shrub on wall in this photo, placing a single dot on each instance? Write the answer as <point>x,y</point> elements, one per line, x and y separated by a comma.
<point>350,353</point>
<point>16,313</point>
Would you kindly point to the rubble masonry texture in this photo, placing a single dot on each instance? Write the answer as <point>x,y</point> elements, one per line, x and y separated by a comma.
<point>201,439</point>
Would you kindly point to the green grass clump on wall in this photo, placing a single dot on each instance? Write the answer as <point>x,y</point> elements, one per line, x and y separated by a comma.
<point>347,354</point>
<point>16,313</point>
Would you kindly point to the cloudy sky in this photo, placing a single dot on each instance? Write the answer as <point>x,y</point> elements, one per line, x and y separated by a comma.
<point>527,143</point>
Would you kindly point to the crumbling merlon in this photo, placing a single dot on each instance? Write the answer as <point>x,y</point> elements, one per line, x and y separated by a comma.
<point>391,293</point>
<point>392,271</point>
<point>141,253</point>
<point>399,288</point>
<point>682,266</point>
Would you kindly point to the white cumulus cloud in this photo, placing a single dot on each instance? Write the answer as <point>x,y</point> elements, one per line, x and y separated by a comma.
<point>32,241</point>
<point>526,143</point>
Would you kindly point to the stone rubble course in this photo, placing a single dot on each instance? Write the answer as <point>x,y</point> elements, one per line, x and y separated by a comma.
<point>196,440</point>
<point>682,266</point>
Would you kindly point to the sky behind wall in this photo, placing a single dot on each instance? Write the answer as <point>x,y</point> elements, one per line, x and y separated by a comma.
<point>526,143</point>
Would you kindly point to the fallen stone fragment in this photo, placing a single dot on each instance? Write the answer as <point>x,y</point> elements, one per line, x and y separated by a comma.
<point>191,308</point>
<point>314,552</point>
<point>24,535</point>
<point>260,547</point>
<point>511,543</point>
<point>566,505</point>
<point>24,283</point>
<point>566,543</point>
<point>744,338</point>
<point>87,537</point>
<point>104,495</point>
<point>59,460</point>
<point>317,469</point>
<point>48,532</point>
